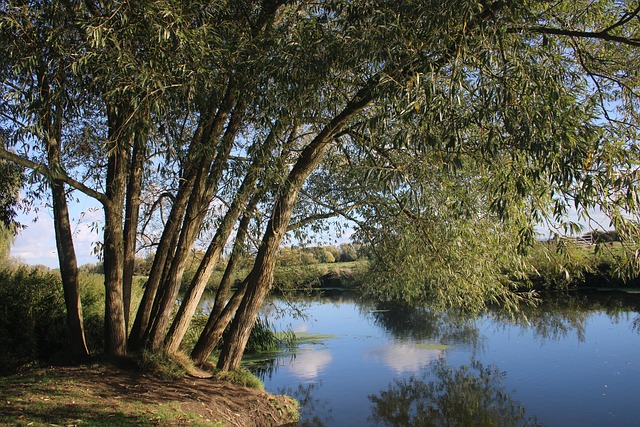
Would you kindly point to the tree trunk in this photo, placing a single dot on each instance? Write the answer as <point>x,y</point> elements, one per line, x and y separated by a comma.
<point>52,123</point>
<point>134,188</point>
<point>166,248</point>
<point>216,326</point>
<point>221,314</point>
<point>236,254</point>
<point>68,271</point>
<point>171,283</point>
<point>261,277</point>
<point>162,257</point>
<point>204,186</point>
<point>113,246</point>
<point>211,257</point>
<point>115,332</point>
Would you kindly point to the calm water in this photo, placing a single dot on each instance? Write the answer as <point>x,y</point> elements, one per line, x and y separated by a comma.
<point>573,362</point>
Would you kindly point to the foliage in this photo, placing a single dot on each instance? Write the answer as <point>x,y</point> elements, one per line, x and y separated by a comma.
<point>264,338</point>
<point>33,319</point>
<point>446,131</point>
<point>567,265</point>
<point>11,181</point>
<point>32,324</point>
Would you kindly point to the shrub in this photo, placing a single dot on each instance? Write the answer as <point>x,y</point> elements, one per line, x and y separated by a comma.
<point>32,317</point>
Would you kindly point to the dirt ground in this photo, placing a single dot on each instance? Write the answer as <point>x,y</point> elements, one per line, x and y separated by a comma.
<point>111,396</point>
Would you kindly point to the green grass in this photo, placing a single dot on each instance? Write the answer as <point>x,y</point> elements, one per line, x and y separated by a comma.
<point>34,399</point>
<point>307,338</point>
<point>241,377</point>
<point>300,276</point>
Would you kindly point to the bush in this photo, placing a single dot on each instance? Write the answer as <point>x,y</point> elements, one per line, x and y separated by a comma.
<point>565,266</point>
<point>32,317</point>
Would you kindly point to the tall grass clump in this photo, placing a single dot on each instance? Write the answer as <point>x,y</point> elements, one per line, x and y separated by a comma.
<point>264,338</point>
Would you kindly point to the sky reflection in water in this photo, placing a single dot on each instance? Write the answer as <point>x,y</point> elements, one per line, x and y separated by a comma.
<point>573,361</point>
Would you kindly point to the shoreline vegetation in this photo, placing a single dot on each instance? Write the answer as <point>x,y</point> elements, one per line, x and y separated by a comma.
<point>40,388</point>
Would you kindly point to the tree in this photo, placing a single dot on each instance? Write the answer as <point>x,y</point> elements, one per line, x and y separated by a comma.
<point>34,78</point>
<point>444,130</point>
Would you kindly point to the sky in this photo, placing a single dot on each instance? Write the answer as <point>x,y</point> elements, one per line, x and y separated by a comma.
<point>35,245</point>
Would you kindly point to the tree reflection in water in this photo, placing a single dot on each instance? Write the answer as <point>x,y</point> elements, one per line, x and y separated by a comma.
<point>472,395</point>
<point>310,405</point>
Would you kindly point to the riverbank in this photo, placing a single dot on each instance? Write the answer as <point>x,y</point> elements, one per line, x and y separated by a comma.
<point>107,395</point>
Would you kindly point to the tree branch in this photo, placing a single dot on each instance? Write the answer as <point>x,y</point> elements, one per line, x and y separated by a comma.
<point>51,175</point>
<point>333,212</point>
<point>602,35</point>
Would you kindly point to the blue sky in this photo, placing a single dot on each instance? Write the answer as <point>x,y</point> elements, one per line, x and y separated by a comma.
<point>36,243</point>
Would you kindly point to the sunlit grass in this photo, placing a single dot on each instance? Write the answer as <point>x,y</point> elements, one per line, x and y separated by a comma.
<point>34,399</point>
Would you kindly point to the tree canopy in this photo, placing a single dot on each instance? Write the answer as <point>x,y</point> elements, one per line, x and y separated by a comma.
<point>445,131</point>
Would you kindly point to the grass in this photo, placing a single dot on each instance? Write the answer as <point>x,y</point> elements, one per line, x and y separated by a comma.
<point>307,338</point>
<point>240,377</point>
<point>37,400</point>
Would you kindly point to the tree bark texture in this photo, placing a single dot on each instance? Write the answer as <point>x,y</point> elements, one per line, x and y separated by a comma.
<point>261,277</point>
<point>197,207</point>
<point>132,213</point>
<point>212,255</point>
<point>113,246</point>
<point>52,123</point>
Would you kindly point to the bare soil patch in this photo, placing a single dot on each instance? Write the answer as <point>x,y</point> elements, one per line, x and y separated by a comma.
<point>93,396</point>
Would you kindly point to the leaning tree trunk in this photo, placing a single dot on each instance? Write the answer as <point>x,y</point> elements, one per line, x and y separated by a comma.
<point>165,251</point>
<point>216,326</point>
<point>196,288</point>
<point>261,277</point>
<point>209,172</point>
<point>222,314</point>
<point>163,254</point>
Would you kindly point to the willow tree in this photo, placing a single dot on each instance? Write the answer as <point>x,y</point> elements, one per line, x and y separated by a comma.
<point>428,123</point>
<point>37,92</point>
<point>65,84</point>
<point>500,88</point>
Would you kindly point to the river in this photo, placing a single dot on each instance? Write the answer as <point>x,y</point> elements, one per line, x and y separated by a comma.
<point>574,360</point>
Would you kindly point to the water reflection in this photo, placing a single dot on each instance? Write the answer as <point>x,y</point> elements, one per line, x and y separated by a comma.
<point>313,412</point>
<point>423,324</point>
<point>569,361</point>
<point>472,395</point>
<point>402,357</point>
<point>309,363</point>
<point>562,314</point>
